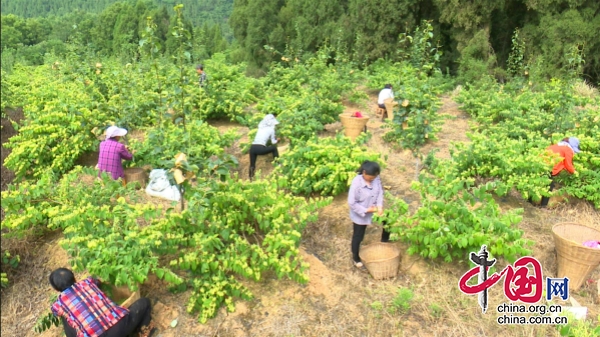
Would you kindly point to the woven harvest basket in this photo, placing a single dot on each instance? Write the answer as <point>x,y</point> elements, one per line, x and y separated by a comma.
<point>381,259</point>
<point>353,126</point>
<point>390,104</point>
<point>136,174</point>
<point>575,261</point>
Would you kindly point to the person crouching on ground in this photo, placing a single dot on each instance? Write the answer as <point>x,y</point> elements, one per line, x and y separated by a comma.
<point>365,198</point>
<point>85,311</point>
<point>266,132</point>
<point>384,94</point>
<point>112,152</point>
<point>565,149</point>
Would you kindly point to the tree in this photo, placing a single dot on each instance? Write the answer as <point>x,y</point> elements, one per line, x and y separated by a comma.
<point>125,33</point>
<point>102,34</point>
<point>379,24</point>
<point>253,22</point>
<point>172,43</point>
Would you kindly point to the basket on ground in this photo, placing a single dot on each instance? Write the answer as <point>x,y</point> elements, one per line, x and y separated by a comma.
<point>136,174</point>
<point>353,126</point>
<point>381,259</point>
<point>575,261</point>
<point>390,104</point>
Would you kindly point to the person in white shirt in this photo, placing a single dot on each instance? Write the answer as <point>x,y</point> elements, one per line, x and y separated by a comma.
<point>384,94</point>
<point>266,132</point>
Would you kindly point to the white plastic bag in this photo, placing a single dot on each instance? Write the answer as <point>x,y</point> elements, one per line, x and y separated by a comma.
<point>159,186</point>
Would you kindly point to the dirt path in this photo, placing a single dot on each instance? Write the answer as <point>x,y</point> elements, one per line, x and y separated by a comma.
<point>339,300</point>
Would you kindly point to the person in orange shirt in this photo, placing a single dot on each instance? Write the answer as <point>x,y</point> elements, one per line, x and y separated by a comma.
<point>566,149</point>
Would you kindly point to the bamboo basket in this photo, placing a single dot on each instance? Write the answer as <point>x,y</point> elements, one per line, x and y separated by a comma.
<point>575,261</point>
<point>137,174</point>
<point>353,126</point>
<point>389,107</point>
<point>381,259</point>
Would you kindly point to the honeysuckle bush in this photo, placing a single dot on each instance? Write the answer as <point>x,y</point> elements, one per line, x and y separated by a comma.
<point>69,102</point>
<point>417,93</point>
<point>513,130</point>
<point>305,94</point>
<point>229,92</point>
<point>230,230</point>
<point>327,74</point>
<point>300,117</point>
<point>517,113</point>
<point>324,165</point>
<point>416,118</point>
<point>59,117</point>
<point>456,217</point>
<point>63,107</point>
<point>198,140</point>
<point>521,164</point>
<point>6,95</point>
<point>245,229</point>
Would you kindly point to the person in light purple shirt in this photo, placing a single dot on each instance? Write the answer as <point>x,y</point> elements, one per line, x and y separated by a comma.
<point>112,152</point>
<point>365,198</point>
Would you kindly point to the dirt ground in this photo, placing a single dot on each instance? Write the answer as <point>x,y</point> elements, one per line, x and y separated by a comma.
<point>339,300</point>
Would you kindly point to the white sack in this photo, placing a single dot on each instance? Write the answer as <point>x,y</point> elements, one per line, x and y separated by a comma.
<point>159,186</point>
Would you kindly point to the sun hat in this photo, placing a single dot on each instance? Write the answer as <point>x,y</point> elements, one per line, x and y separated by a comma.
<point>268,121</point>
<point>574,142</point>
<point>115,131</point>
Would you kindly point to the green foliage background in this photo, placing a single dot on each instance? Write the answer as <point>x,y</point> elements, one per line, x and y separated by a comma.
<point>474,37</point>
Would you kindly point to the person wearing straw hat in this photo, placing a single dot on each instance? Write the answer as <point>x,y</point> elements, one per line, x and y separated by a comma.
<point>565,149</point>
<point>85,310</point>
<point>112,153</point>
<point>365,198</point>
<point>265,133</point>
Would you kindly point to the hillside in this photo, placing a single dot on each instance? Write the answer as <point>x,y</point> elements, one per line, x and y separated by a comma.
<point>198,12</point>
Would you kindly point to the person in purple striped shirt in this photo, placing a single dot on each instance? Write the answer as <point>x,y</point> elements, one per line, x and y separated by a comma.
<point>112,152</point>
<point>365,198</point>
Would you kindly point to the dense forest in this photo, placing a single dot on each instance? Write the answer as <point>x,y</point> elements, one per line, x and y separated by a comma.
<point>547,38</point>
<point>198,11</point>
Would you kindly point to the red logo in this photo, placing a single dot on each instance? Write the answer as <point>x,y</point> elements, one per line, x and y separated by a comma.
<point>519,285</point>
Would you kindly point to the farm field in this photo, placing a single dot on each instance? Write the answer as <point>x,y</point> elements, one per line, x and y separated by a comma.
<point>489,116</point>
<point>338,300</point>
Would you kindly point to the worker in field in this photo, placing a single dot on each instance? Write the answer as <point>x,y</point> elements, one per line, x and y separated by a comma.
<point>565,149</point>
<point>385,94</point>
<point>112,153</point>
<point>265,133</point>
<point>86,311</point>
<point>365,198</point>
<point>202,82</point>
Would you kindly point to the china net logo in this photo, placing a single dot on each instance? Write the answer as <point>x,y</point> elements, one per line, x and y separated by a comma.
<point>519,286</point>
